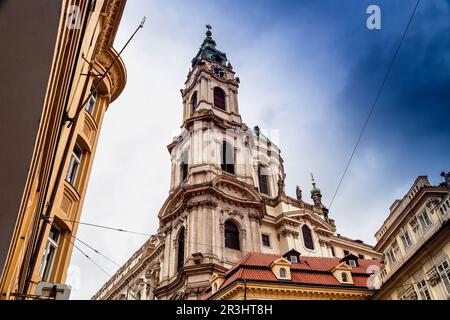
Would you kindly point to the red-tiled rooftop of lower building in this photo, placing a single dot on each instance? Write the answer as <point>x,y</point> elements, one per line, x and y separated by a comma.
<point>309,270</point>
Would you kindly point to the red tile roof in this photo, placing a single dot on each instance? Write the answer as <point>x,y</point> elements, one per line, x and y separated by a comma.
<point>310,270</point>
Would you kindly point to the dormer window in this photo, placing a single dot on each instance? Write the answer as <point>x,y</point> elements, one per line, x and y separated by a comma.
<point>293,259</point>
<point>344,277</point>
<point>282,273</point>
<point>352,263</point>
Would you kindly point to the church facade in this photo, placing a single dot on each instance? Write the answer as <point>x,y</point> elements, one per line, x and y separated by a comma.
<point>227,199</point>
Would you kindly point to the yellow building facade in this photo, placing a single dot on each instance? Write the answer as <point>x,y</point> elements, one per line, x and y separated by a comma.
<point>76,98</point>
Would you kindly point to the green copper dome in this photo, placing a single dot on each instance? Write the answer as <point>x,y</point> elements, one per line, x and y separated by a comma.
<point>208,50</point>
<point>257,133</point>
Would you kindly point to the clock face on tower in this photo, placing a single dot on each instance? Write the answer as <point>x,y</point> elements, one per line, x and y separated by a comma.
<point>220,72</point>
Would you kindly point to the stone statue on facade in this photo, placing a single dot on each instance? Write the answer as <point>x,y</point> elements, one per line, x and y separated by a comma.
<point>298,193</point>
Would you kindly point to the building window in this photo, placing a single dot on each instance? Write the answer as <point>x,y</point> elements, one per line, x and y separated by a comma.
<point>406,239</point>
<point>194,101</point>
<point>184,165</point>
<point>263,181</point>
<point>265,240</point>
<point>90,104</point>
<point>444,273</point>
<point>332,251</point>
<point>423,289</point>
<point>346,253</point>
<point>219,98</point>
<point>180,241</point>
<point>344,277</point>
<point>231,236</point>
<point>391,256</point>
<point>49,253</point>
<point>282,273</point>
<point>293,259</point>
<point>307,237</point>
<point>227,157</point>
<point>424,220</point>
<point>74,165</point>
<point>352,263</point>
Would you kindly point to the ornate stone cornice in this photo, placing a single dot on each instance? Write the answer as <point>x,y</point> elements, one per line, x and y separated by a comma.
<point>104,53</point>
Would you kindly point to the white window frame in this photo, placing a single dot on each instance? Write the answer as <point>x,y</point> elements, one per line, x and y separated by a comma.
<point>74,165</point>
<point>90,104</point>
<point>424,218</point>
<point>422,288</point>
<point>352,263</point>
<point>51,247</point>
<point>406,239</point>
<point>293,259</point>
<point>444,273</point>
<point>391,256</point>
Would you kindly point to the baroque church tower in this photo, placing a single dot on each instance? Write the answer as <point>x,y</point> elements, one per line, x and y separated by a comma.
<point>227,198</point>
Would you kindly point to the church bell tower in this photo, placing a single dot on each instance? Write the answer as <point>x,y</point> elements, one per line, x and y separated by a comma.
<point>213,214</point>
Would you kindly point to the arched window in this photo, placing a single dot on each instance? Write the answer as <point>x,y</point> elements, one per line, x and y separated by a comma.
<point>344,277</point>
<point>307,237</point>
<point>194,101</point>
<point>231,236</point>
<point>185,164</point>
<point>263,181</point>
<point>282,273</point>
<point>219,98</point>
<point>180,241</point>
<point>227,157</point>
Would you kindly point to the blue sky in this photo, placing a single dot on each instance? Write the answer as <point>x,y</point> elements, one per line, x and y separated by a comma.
<point>310,71</point>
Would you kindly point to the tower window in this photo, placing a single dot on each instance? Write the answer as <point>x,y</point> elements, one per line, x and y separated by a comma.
<point>307,237</point>
<point>74,165</point>
<point>265,240</point>
<point>262,179</point>
<point>185,165</point>
<point>227,157</point>
<point>219,98</point>
<point>194,101</point>
<point>231,236</point>
<point>180,260</point>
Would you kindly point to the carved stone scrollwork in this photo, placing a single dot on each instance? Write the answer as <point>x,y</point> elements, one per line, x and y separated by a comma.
<point>433,277</point>
<point>287,229</point>
<point>413,223</point>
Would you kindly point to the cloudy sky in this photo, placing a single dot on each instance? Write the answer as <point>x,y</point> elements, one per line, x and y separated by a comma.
<point>309,69</point>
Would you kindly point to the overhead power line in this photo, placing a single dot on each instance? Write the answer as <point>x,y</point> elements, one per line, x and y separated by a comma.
<point>106,227</point>
<point>386,76</point>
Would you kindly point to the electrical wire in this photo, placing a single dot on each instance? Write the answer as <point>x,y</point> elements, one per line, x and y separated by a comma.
<point>106,227</point>
<point>369,116</point>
